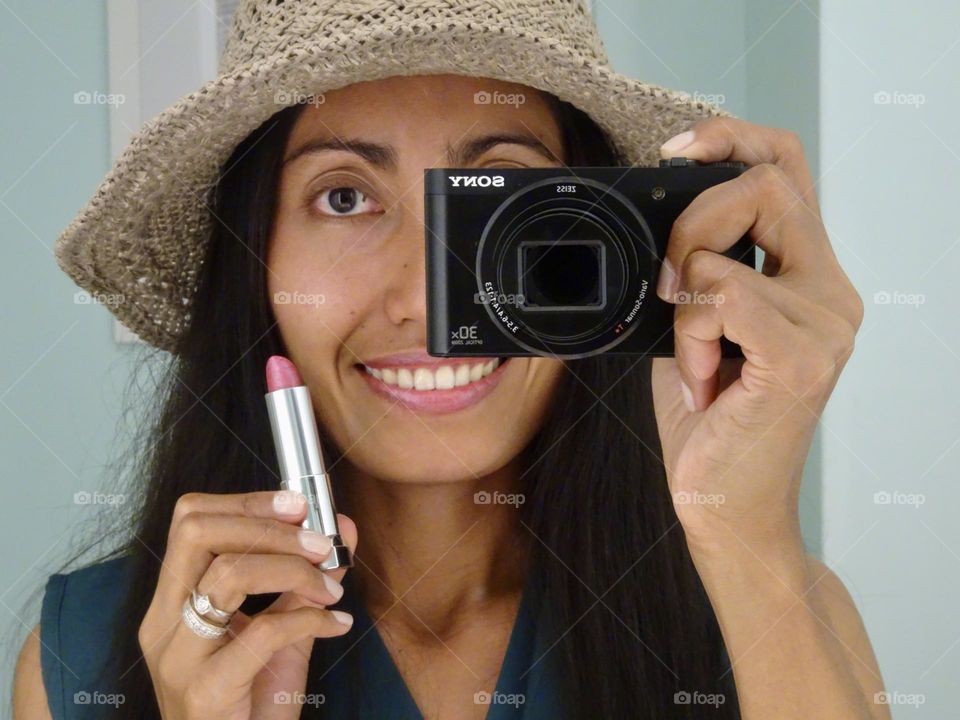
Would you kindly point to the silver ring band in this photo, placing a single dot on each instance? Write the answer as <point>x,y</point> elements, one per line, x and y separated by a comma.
<point>198,625</point>
<point>205,608</point>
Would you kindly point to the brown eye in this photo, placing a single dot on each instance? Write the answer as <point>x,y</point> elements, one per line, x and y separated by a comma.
<point>344,202</point>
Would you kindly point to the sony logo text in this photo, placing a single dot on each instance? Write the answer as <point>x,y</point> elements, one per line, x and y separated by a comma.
<point>466,181</point>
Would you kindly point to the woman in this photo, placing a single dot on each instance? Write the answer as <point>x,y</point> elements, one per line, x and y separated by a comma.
<point>648,562</point>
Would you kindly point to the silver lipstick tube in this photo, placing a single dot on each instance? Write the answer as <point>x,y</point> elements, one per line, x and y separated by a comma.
<point>302,468</point>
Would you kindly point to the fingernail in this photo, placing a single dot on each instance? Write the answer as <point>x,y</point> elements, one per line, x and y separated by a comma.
<point>677,143</point>
<point>668,282</point>
<point>288,502</point>
<point>687,396</point>
<point>342,617</point>
<point>315,542</point>
<point>335,588</point>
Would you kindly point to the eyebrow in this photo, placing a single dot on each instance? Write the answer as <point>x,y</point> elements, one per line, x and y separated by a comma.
<point>385,156</point>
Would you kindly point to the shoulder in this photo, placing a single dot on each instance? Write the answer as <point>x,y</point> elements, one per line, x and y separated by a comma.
<point>29,698</point>
<point>81,606</point>
<point>101,585</point>
<point>77,619</point>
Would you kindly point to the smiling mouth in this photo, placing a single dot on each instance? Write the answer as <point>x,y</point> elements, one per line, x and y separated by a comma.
<point>437,377</point>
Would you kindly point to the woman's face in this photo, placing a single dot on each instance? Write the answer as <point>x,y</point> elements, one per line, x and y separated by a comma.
<point>346,275</point>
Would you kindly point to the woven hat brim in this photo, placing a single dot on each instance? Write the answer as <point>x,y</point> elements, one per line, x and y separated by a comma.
<point>142,237</point>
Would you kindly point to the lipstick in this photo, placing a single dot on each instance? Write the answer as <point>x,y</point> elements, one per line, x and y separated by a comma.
<point>297,442</point>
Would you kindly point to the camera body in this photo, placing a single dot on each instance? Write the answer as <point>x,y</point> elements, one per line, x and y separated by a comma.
<point>558,262</point>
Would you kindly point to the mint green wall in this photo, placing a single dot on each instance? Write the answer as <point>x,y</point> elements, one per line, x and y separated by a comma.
<point>687,45</point>
<point>891,177</point>
<point>60,372</point>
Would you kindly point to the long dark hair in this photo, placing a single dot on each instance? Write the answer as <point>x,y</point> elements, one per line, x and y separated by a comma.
<point>633,624</point>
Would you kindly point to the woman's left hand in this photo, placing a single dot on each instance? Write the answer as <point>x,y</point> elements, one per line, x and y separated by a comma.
<point>736,433</point>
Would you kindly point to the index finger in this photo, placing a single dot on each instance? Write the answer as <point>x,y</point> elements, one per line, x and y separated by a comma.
<point>719,139</point>
<point>285,505</point>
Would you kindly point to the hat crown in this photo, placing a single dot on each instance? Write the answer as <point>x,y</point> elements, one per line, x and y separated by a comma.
<point>263,28</point>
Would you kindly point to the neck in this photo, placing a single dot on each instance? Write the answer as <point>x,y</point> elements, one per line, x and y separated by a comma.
<point>433,546</point>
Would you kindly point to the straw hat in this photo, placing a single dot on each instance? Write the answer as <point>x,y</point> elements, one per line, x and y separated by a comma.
<point>142,237</point>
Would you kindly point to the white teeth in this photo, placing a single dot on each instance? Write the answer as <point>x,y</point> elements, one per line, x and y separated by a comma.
<point>444,377</point>
<point>423,379</point>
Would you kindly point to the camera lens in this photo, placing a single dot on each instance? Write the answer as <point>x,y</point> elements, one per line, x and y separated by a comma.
<point>561,274</point>
<point>572,260</point>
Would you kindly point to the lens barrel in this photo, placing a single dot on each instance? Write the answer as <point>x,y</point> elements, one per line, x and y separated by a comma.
<point>566,264</point>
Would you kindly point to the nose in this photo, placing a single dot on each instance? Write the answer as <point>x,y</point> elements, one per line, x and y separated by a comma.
<point>405,299</point>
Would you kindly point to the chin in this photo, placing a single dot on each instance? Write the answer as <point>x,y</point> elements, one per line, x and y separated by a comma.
<point>430,461</point>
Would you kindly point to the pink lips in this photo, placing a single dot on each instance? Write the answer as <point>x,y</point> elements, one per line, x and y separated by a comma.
<point>438,401</point>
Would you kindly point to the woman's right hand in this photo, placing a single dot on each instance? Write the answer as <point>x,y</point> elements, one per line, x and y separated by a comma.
<point>229,546</point>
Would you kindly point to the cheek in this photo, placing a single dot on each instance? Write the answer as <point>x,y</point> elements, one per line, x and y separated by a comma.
<point>323,309</point>
<point>549,373</point>
<point>316,292</point>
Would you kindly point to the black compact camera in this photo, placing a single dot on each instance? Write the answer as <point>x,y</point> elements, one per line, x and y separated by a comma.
<point>559,262</point>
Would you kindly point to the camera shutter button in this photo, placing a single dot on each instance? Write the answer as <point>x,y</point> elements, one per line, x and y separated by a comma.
<point>678,162</point>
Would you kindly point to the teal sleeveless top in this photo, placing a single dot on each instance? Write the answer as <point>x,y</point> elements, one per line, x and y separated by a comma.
<point>361,679</point>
